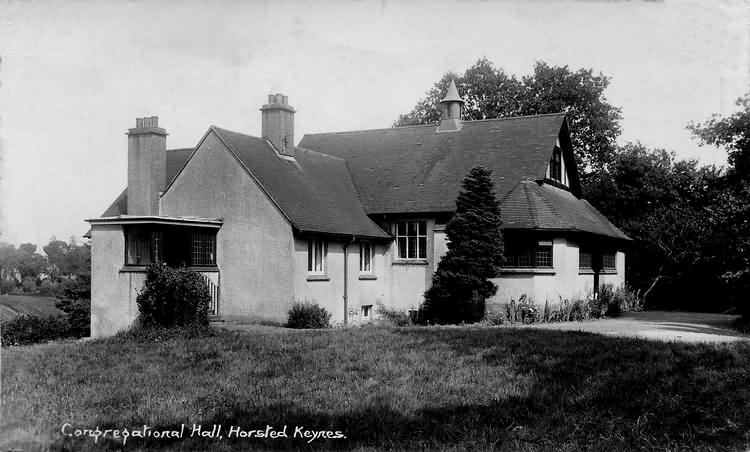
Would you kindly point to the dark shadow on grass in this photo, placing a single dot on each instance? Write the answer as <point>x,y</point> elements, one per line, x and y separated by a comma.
<point>588,392</point>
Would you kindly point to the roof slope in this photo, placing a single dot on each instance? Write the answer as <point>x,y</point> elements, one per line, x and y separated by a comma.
<point>533,205</point>
<point>415,169</point>
<point>176,158</point>
<point>315,190</point>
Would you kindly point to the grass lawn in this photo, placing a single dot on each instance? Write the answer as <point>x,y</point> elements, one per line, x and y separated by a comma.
<point>15,305</point>
<point>385,389</point>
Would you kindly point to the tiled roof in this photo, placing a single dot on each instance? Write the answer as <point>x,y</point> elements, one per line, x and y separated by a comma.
<point>415,169</point>
<point>535,205</point>
<point>314,190</point>
<point>419,170</point>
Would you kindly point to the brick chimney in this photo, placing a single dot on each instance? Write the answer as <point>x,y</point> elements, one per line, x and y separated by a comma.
<point>451,106</point>
<point>278,123</point>
<point>147,166</point>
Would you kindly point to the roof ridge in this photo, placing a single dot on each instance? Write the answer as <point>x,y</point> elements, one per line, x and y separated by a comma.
<point>322,154</point>
<point>414,126</point>
<point>180,149</point>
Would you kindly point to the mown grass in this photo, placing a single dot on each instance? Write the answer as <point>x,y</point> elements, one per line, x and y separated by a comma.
<point>386,389</point>
<point>15,305</point>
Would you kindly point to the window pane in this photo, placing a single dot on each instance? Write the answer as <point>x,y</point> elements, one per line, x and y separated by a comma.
<point>402,247</point>
<point>584,260</point>
<point>608,261</point>
<point>401,228</point>
<point>411,248</point>
<point>138,247</point>
<point>422,228</point>
<point>422,252</point>
<point>544,256</point>
<point>412,228</point>
<point>309,255</point>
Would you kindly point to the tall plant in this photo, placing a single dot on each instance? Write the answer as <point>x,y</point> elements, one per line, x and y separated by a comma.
<point>461,284</point>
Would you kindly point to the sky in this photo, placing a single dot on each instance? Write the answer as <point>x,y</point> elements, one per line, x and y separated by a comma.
<point>74,75</point>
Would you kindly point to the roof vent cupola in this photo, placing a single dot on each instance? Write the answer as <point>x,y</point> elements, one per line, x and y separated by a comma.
<point>451,107</point>
<point>278,124</point>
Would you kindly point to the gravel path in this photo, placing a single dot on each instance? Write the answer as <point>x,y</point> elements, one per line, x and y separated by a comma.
<point>660,325</point>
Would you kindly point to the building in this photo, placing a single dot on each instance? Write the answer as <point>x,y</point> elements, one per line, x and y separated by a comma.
<point>347,220</point>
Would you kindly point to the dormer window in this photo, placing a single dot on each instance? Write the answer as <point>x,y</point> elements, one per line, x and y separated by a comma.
<point>555,166</point>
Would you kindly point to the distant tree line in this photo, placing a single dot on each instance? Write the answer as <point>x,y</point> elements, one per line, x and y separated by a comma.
<point>63,271</point>
<point>690,223</point>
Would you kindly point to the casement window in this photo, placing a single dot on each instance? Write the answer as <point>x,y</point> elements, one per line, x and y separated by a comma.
<point>365,257</point>
<point>536,254</point>
<point>601,261</point>
<point>367,312</point>
<point>316,257</point>
<point>175,246</point>
<point>142,246</point>
<point>411,239</point>
<point>609,262</point>
<point>203,249</point>
<point>585,260</point>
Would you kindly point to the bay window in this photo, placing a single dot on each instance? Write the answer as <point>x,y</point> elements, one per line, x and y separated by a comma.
<point>176,246</point>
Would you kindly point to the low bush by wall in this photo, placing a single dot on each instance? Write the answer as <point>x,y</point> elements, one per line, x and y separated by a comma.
<point>30,329</point>
<point>305,314</point>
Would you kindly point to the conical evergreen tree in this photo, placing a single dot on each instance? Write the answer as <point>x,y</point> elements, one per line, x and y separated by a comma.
<point>461,284</point>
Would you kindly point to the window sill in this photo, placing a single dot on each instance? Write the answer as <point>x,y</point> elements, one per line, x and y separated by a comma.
<point>204,268</point>
<point>367,277</point>
<point>318,278</point>
<point>591,272</point>
<point>528,270</point>
<point>134,269</point>
<point>410,262</point>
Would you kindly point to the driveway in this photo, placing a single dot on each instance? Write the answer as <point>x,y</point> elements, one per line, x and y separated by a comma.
<point>659,325</point>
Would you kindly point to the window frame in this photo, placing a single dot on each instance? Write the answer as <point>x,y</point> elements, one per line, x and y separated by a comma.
<point>366,312</point>
<point>420,225</point>
<point>366,265</point>
<point>597,261</point>
<point>531,252</point>
<point>312,253</point>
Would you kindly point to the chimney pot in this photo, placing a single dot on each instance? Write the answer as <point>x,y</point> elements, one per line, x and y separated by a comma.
<point>278,123</point>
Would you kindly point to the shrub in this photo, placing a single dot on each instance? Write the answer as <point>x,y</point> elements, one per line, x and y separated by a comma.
<point>30,329</point>
<point>394,316</point>
<point>603,304</point>
<point>628,300</point>
<point>308,315</point>
<point>461,284</point>
<point>579,310</point>
<point>79,316</point>
<point>29,284</point>
<point>173,297</point>
<point>7,286</point>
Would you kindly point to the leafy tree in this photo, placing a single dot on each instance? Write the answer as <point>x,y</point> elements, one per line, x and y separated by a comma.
<point>662,203</point>
<point>732,133</point>
<point>490,93</point>
<point>730,214</point>
<point>28,262</point>
<point>461,284</point>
